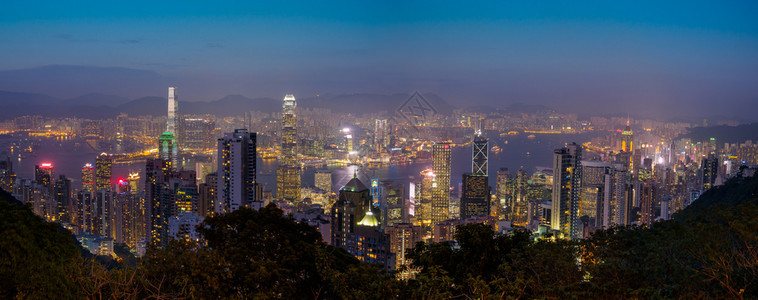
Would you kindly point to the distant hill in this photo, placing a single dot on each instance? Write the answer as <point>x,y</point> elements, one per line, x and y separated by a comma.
<point>71,81</point>
<point>526,108</point>
<point>98,106</point>
<point>724,133</point>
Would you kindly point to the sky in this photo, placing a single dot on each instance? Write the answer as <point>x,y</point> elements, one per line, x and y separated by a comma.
<point>688,58</point>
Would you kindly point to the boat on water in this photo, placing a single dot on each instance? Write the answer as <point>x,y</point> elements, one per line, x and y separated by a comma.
<point>531,136</point>
<point>495,149</point>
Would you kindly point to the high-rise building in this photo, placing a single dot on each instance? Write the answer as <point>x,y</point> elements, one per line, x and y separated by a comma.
<point>479,156</point>
<point>393,205</point>
<point>103,172</point>
<point>157,201</point>
<point>503,192</point>
<point>381,136</point>
<point>323,180</point>
<point>440,183</point>
<point>289,132</point>
<point>172,121</point>
<point>710,167</point>
<point>475,196</point>
<point>198,134</point>
<point>88,178</point>
<point>567,180</point>
<point>208,195</point>
<point>627,139</point>
<point>593,196</point>
<point>353,201</point>
<point>133,182</point>
<point>45,174</point>
<point>167,149</point>
<point>237,156</point>
<point>288,173</point>
<point>7,176</point>
<point>62,196</point>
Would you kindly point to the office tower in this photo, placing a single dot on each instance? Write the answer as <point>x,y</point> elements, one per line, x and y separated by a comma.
<point>208,196</point>
<point>381,136</point>
<point>237,156</point>
<point>172,120</point>
<point>103,171</point>
<point>567,180</point>
<point>403,237</point>
<point>593,196</point>
<point>353,201</point>
<point>440,183</point>
<point>710,167</point>
<point>198,134</point>
<point>648,201</point>
<point>480,152</point>
<point>183,186</point>
<point>619,205</point>
<point>475,196</point>
<point>289,132</point>
<point>44,174</point>
<point>157,201</point>
<point>62,196</point>
<point>393,205</point>
<point>83,213</point>
<point>288,172</point>
<point>167,149</point>
<point>133,181</point>
<point>424,200</point>
<point>7,176</point>
<point>323,180</point>
<point>627,139</point>
<point>503,190</point>
<point>88,178</point>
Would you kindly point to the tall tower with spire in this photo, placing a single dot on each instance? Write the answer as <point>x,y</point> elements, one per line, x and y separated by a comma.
<point>627,139</point>
<point>288,173</point>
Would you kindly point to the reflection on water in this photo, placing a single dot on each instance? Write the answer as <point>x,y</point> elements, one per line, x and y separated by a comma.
<point>519,151</point>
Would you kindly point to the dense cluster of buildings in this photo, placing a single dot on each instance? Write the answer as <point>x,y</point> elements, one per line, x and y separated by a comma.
<point>204,166</point>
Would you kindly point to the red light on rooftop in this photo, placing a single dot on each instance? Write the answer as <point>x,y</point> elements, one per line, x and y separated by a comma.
<point>618,130</point>
<point>447,146</point>
<point>47,165</point>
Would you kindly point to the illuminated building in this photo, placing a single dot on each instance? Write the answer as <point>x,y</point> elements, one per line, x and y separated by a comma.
<point>183,185</point>
<point>182,226</point>
<point>237,156</point>
<point>627,139</point>
<point>207,195</point>
<point>88,178</point>
<point>381,136</point>
<point>594,197</point>
<point>403,237</point>
<point>133,181</point>
<point>198,134</point>
<point>62,195</point>
<point>157,201</point>
<point>288,172</point>
<point>44,174</point>
<point>289,132</point>
<point>167,149</point>
<point>393,207</point>
<point>440,182</point>
<point>710,168</point>
<point>479,156</point>
<point>172,121</point>
<point>323,180</point>
<point>7,176</point>
<point>503,191</point>
<point>567,180</point>
<point>424,207</point>
<point>103,171</point>
<point>352,203</point>
<point>475,196</point>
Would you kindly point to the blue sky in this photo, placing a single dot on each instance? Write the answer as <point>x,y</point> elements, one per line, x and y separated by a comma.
<point>605,55</point>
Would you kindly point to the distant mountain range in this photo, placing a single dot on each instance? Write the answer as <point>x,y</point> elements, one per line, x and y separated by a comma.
<point>98,106</point>
<point>725,133</point>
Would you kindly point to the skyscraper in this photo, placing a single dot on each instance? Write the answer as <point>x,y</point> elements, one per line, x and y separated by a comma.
<point>475,196</point>
<point>289,132</point>
<point>173,111</point>
<point>103,171</point>
<point>167,148</point>
<point>237,156</point>
<point>440,183</point>
<point>710,167</point>
<point>45,174</point>
<point>567,180</point>
<point>627,139</point>
<point>88,178</point>
<point>288,173</point>
<point>480,152</point>
<point>381,137</point>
